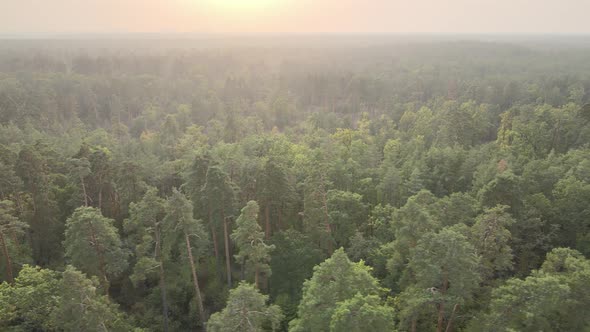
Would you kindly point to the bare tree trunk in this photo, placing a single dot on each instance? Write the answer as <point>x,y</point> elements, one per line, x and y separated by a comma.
<point>227,255</point>
<point>162,280</point>
<point>100,198</point>
<point>450,324</point>
<point>8,260</point>
<point>215,244</point>
<point>280,218</point>
<point>101,262</point>
<point>327,221</point>
<point>267,221</point>
<point>84,191</point>
<point>256,273</point>
<point>195,280</point>
<point>441,313</point>
<point>441,306</point>
<point>414,323</point>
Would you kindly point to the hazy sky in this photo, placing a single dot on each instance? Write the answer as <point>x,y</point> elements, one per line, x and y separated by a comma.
<point>294,16</point>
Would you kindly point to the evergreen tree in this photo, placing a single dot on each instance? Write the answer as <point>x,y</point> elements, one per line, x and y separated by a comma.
<point>246,310</point>
<point>253,253</point>
<point>93,245</point>
<point>182,226</point>
<point>335,280</point>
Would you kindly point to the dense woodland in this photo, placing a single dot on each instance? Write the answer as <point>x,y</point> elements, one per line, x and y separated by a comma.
<point>390,185</point>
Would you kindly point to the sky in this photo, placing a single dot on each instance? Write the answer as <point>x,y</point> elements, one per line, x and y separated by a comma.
<point>294,16</point>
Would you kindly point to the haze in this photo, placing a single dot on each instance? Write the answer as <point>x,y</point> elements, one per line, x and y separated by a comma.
<point>294,16</point>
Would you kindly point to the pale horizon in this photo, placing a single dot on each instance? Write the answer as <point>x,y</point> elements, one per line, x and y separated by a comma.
<point>303,17</point>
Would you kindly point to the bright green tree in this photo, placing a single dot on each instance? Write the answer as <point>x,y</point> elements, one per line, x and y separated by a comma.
<point>246,310</point>
<point>144,230</point>
<point>445,264</point>
<point>491,238</point>
<point>80,308</point>
<point>46,300</point>
<point>253,253</point>
<point>347,212</point>
<point>335,280</point>
<point>219,192</point>
<point>362,313</point>
<point>182,227</point>
<point>93,245</point>
<point>11,229</point>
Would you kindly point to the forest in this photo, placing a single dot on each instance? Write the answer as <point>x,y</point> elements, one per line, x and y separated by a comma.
<point>303,185</point>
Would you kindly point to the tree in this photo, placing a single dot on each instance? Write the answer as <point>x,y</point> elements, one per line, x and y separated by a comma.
<point>446,264</point>
<point>144,228</point>
<point>80,308</point>
<point>362,313</point>
<point>179,219</point>
<point>46,300</point>
<point>347,212</point>
<point>315,210</point>
<point>246,310</point>
<point>491,239</point>
<point>80,169</point>
<point>33,167</point>
<point>291,263</point>
<point>219,192</point>
<point>253,253</point>
<point>92,244</point>
<point>28,303</point>
<point>553,298</point>
<point>10,230</point>
<point>274,192</point>
<point>410,223</point>
<point>335,280</point>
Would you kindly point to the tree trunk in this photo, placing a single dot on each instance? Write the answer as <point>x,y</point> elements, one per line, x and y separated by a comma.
<point>101,262</point>
<point>280,218</point>
<point>213,234</point>
<point>195,280</point>
<point>227,255</point>
<point>441,313</point>
<point>256,273</point>
<point>450,324</point>
<point>215,244</point>
<point>441,306</point>
<point>414,325</point>
<point>84,191</point>
<point>327,221</point>
<point>267,221</point>
<point>100,198</point>
<point>162,280</point>
<point>8,260</point>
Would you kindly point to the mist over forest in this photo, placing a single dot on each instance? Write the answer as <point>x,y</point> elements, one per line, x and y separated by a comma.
<point>335,182</point>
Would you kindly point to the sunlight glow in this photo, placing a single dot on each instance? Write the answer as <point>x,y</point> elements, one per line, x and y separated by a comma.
<point>242,5</point>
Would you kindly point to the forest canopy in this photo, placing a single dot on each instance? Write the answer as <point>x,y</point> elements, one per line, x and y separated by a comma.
<point>385,184</point>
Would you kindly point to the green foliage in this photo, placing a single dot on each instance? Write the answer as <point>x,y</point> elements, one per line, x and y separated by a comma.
<point>362,313</point>
<point>335,280</point>
<point>444,266</point>
<point>93,245</point>
<point>252,251</point>
<point>491,238</point>
<point>553,298</point>
<point>463,164</point>
<point>42,299</point>
<point>246,310</point>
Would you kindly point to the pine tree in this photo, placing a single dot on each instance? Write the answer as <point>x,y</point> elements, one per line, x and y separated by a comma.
<point>180,222</point>
<point>249,238</point>
<point>93,245</point>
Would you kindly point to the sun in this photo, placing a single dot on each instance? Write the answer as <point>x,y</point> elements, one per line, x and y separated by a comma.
<point>241,5</point>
